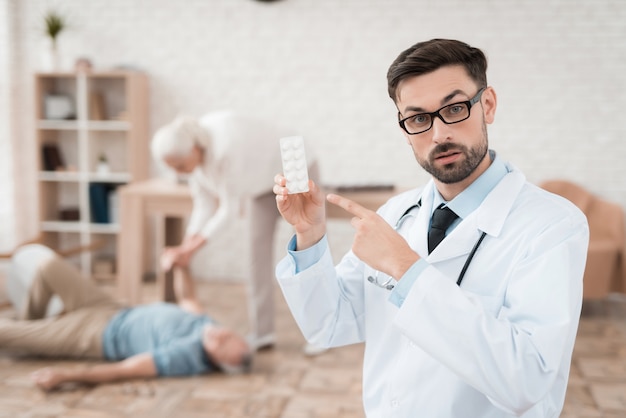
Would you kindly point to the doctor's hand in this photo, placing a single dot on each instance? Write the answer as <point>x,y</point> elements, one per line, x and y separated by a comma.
<point>376,243</point>
<point>306,212</point>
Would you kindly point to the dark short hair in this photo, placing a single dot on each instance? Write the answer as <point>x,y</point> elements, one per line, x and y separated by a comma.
<point>426,57</point>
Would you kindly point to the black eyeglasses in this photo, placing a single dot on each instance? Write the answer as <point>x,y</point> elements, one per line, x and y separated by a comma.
<point>449,114</point>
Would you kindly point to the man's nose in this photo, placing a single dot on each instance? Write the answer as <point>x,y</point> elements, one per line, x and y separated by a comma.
<point>441,131</point>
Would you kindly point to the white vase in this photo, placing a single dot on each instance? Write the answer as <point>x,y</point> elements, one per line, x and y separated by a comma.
<point>50,61</point>
<point>103,168</point>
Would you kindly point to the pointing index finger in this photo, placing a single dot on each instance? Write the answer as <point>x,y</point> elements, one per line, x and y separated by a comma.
<point>348,205</point>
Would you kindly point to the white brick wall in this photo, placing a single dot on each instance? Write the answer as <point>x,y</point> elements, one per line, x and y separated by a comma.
<point>558,67</point>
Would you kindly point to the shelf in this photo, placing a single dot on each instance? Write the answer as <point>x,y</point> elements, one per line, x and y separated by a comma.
<point>104,228</point>
<point>107,117</point>
<point>56,74</point>
<point>59,176</point>
<point>61,226</point>
<point>110,177</point>
<point>58,125</point>
<point>92,125</point>
<point>108,125</point>
<point>76,226</point>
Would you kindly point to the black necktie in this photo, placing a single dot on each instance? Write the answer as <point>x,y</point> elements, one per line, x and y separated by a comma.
<point>441,220</point>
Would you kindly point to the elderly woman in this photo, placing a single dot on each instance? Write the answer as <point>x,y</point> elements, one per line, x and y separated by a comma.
<point>231,161</point>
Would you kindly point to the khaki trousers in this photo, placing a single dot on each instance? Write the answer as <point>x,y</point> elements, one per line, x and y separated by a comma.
<point>77,332</point>
<point>262,215</point>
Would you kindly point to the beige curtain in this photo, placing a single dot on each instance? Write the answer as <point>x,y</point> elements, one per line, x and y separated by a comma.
<point>7,208</point>
<point>17,192</point>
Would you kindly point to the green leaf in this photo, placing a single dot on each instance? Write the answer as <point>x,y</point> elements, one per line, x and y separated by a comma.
<point>55,23</point>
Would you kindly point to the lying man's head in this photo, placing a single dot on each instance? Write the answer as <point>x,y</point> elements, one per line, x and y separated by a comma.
<point>227,349</point>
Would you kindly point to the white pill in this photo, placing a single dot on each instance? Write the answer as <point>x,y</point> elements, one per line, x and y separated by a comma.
<point>294,164</point>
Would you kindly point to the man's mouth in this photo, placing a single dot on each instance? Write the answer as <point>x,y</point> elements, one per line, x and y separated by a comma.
<point>448,157</point>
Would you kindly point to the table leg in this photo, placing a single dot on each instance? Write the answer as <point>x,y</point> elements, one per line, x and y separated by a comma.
<point>131,249</point>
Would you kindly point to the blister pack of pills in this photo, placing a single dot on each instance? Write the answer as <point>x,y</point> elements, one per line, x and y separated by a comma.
<point>294,164</point>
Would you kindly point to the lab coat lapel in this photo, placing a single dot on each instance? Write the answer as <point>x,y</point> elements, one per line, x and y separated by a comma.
<point>419,235</point>
<point>489,217</point>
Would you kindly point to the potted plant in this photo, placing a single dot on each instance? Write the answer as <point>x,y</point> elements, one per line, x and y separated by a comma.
<point>54,24</point>
<point>103,164</point>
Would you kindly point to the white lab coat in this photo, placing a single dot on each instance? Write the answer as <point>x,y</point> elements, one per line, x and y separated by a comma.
<point>499,345</point>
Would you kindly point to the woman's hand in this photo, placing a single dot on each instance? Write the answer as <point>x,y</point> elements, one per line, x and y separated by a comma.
<point>180,256</point>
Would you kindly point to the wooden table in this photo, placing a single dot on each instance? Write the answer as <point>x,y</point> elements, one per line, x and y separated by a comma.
<point>160,200</point>
<point>141,204</point>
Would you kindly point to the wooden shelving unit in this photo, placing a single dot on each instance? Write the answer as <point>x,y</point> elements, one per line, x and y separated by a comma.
<point>94,114</point>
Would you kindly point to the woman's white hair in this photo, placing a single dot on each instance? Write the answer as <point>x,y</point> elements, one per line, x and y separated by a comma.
<point>177,139</point>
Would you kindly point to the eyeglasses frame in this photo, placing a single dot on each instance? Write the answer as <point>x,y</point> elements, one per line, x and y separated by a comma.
<point>469,103</point>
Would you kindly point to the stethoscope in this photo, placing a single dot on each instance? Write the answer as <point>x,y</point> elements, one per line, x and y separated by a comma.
<point>388,284</point>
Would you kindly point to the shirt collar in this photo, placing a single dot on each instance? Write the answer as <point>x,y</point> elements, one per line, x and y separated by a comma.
<point>469,199</point>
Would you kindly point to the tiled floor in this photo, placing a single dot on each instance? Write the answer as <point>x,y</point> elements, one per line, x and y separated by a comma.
<point>286,384</point>
<point>597,385</point>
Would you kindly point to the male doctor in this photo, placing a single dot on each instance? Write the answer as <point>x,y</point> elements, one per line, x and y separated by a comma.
<point>471,314</point>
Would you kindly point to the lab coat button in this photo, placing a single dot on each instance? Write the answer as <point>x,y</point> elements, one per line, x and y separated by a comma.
<point>395,403</point>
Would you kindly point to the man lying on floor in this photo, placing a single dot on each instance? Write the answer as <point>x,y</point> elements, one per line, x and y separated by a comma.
<point>159,339</point>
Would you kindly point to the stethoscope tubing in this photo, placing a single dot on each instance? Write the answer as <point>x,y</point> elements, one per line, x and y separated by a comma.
<point>418,205</point>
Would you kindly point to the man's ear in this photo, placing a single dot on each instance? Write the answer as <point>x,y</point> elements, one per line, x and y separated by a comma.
<point>407,137</point>
<point>490,103</point>
<point>206,334</point>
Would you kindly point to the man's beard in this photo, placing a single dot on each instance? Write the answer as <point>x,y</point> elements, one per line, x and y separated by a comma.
<point>457,171</point>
